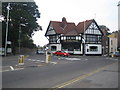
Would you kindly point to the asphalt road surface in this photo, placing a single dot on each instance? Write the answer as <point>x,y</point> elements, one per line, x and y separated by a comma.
<point>61,72</point>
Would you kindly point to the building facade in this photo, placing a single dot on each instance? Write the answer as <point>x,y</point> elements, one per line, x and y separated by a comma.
<point>113,43</point>
<point>85,38</point>
<point>117,35</point>
<point>105,39</point>
<point>119,15</point>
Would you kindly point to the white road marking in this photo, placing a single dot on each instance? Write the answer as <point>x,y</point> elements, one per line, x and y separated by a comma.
<point>33,60</point>
<point>37,60</point>
<point>53,62</point>
<point>73,59</point>
<point>59,58</point>
<point>18,69</point>
<point>42,61</point>
<point>112,58</point>
<point>11,67</point>
<point>86,59</point>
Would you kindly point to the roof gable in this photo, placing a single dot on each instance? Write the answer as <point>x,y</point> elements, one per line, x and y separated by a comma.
<point>82,26</point>
<point>93,29</point>
<point>50,30</point>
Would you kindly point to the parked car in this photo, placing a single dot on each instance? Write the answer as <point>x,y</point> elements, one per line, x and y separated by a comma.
<point>61,53</point>
<point>40,52</point>
<point>114,54</point>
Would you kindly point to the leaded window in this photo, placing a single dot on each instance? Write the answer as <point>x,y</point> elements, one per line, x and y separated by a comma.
<point>53,48</point>
<point>52,39</point>
<point>93,48</point>
<point>93,38</point>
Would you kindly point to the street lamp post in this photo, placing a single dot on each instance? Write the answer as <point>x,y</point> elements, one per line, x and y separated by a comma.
<point>8,9</point>
<point>20,34</point>
<point>84,47</point>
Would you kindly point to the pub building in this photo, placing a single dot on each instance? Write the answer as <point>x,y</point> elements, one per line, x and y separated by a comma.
<point>84,39</point>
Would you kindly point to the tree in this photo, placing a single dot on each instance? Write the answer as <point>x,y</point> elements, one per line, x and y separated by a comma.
<point>25,13</point>
<point>105,29</point>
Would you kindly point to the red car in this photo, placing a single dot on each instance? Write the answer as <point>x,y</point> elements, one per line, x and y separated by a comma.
<point>61,53</point>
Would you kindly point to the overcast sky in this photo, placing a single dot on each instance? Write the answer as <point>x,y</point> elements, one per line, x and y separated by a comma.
<point>105,12</point>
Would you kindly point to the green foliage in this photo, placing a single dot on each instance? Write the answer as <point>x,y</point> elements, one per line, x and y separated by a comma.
<point>21,13</point>
<point>104,27</point>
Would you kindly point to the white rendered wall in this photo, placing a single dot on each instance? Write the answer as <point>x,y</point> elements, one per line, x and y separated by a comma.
<point>87,46</point>
<point>57,45</point>
<point>79,52</point>
<point>113,46</point>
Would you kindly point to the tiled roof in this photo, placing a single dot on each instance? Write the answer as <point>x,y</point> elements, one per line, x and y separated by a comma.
<point>83,25</point>
<point>69,28</point>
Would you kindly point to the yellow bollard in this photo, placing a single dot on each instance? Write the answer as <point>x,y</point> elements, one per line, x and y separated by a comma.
<point>21,60</point>
<point>48,58</point>
<point>112,55</point>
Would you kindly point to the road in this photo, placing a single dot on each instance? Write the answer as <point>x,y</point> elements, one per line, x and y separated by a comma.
<point>62,72</point>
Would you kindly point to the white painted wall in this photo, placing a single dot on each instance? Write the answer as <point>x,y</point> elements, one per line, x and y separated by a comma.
<point>51,32</point>
<point>79,52</point>
<point>113,46</point>
<point>57,45</point>
<point>87,46</point>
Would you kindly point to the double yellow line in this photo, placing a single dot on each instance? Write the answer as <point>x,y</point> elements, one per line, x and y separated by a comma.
<point>81,77</point>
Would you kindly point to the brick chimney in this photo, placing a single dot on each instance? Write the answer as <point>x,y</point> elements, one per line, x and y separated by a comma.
<point>64,22</point>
